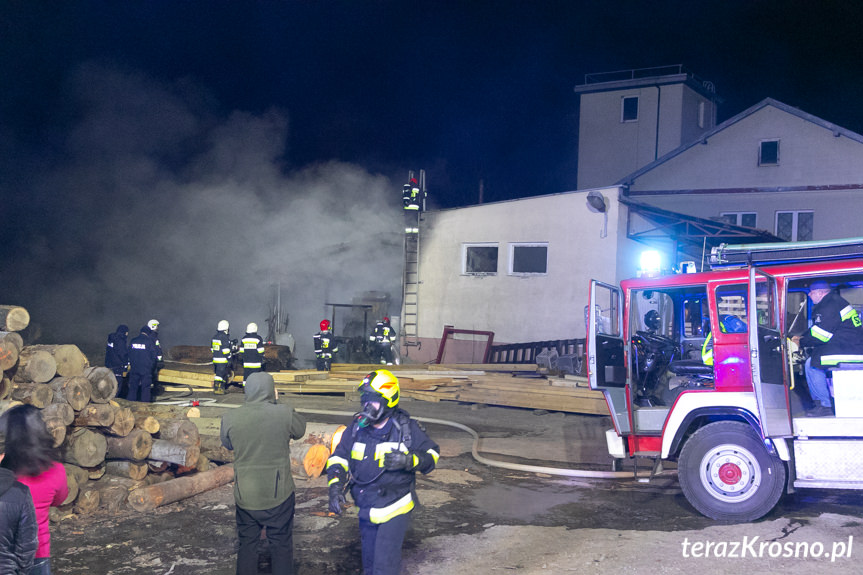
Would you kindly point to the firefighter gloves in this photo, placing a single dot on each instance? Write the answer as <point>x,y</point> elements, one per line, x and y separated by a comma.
<point>337,498</point>
<point>398,461</point>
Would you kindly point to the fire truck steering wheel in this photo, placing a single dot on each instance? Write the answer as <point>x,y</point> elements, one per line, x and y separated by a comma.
<point>655,341</point>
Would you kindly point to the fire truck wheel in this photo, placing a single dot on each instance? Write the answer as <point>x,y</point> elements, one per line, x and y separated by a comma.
<point>727,474</point>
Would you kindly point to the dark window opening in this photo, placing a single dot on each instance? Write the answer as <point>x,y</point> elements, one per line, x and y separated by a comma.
<point>629,112</point>
<point>769,153</point>
<point>480,260</point>
<point>529,259</point>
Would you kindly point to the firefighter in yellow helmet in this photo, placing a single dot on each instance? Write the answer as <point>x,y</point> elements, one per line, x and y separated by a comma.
<point>377,459</point>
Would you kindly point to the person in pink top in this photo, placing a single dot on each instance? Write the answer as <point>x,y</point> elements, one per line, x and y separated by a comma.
<point>30,454</point>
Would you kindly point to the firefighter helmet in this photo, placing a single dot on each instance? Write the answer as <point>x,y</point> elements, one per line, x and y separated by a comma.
<point>383,383</point>
<point>325,324</point>
<point>153,324</point>
<point>223,325</point>
<point>252,328</point>
<point>387,320</point>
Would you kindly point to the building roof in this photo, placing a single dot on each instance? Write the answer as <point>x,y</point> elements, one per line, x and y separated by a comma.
<point>641,77</point>
<point>836,130</point>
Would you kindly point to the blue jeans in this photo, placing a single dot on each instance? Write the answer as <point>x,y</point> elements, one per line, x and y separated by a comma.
<point>817,380</point>
<point>41,566</point>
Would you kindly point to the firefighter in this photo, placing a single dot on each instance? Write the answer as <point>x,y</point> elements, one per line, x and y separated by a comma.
<point>727,324</point>
<point>411,195</point>
<point>252,350</point>
<point>377,458</point>
<point>143,357</point>
<point>836,336</point>
<point>411,202</point>
<point>117,354</point>
<point>153,331</point>
<point>383,337</point>
<point>222,355</point>
<point>325,347</point>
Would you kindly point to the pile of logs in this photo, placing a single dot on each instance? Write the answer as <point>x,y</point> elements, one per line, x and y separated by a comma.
<point>114,451</point>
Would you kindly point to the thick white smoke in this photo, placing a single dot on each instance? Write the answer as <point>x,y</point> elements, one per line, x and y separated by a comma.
<point>155,205</point>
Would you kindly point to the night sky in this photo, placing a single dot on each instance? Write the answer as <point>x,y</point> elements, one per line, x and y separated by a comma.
<point>151,130</point>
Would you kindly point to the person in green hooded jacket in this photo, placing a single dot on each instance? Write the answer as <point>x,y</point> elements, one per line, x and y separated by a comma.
<point>259,432</point>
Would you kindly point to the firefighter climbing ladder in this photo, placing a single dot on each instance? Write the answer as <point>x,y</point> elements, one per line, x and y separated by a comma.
<point>410,280</point>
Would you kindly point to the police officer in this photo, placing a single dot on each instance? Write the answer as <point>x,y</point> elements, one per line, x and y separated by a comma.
<point>117,352</point>
<point>325,347</point>
<point>381,452</point>
<point>383,337</point>
<point>836,336</point>
<point>252,350</point>
<point>222,353</point>
<point>143,357</point>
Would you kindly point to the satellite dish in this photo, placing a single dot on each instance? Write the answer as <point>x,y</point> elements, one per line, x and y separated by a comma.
<point>596,202</point>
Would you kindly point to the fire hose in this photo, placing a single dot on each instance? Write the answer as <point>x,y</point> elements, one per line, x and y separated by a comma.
<point>581,473</point>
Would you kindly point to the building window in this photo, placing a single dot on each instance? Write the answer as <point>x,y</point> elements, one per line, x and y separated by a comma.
<point>629,109</point>
<point>528,259</point>
<point>701,111</point>
<point>795,226</point>
<point>479,259</point>
<point>747,219</point>
<point>768,153</point>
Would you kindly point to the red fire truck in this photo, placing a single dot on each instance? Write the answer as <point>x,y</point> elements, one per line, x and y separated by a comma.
<point>738,428</point>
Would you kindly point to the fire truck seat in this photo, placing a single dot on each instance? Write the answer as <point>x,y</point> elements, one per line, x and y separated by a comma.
<point>690,367</point>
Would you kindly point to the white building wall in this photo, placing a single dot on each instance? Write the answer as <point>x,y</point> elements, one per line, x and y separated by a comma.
<point>811,157</point>
<point>518,308</point>
<point>836,213</point>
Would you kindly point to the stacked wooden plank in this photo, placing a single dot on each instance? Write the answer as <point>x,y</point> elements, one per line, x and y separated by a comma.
<point>294,381</point>
<point>514,385</point>
<point>493,384</point>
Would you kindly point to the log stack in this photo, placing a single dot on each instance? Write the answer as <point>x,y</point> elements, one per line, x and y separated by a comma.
<point>110,447</point>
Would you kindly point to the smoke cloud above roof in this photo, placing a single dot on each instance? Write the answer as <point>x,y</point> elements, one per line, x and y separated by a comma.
<point>150,202</point>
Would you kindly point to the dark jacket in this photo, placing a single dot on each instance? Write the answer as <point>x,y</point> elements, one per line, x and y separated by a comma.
<point>18,533</point>
<point>325,344</point>
<point>252,350</point>
<point>143,355</point>
<point>383,334</point>
<point>221,347</point>
<point>836,334</point>
<point>382,494</point>
<point>259,432</point>
<point>116,350</point>
<point>154,335</point>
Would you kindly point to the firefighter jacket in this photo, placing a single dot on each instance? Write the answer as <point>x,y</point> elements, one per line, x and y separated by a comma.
<point>382,494</point>
<point>325,345</point>
<point>383,333</point>
<point>411,197</point>
<point>143,355</point>
<point>116,350</point>
<point>259,432</point>
<point>836,334</point>
<point>154,335</point>
<point>252,350</point>
<point>221,347</point>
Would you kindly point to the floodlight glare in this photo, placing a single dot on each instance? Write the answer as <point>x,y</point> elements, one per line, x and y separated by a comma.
<point>650,262</point>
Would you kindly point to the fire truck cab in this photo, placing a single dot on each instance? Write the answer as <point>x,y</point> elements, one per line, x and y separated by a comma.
<point>737,428</point>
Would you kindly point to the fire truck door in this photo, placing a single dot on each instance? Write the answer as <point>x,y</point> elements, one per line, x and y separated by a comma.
<point>606,357</point>
<point>767,353</point>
